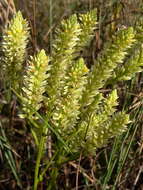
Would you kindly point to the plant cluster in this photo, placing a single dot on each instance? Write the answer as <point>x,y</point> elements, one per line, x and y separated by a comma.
<point>77,114</point>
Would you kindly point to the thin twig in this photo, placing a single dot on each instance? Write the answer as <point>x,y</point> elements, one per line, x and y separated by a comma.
<point>77,173</point>
<point>81,170</point>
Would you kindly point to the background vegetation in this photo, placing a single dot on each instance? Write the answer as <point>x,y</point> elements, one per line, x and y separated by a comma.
<point>119,165</point>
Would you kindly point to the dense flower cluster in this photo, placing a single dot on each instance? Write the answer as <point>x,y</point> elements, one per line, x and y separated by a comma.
<point>75,106</point>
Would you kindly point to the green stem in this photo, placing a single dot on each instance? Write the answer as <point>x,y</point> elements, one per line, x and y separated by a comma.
<point>53,182</point>
<point>40,150</point>
<point>47,166</point>
<point>56,166</point>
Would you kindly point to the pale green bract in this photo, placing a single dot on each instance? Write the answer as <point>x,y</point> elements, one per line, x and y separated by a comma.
<point>14,44</point>
<point>35,82</point>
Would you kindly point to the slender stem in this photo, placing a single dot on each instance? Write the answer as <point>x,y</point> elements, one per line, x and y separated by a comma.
<point>48,165</point>
<point>55,170</point>
<point>40,150</point>
<point>53,182</point>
